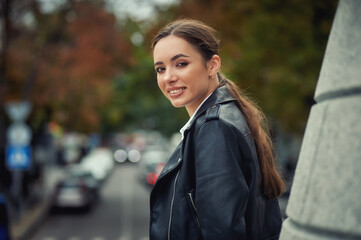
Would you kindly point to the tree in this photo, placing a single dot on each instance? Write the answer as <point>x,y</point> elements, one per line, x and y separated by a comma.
<point>68,58</point>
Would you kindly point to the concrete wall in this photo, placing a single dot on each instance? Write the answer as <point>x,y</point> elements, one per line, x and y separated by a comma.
<point>325,200</point>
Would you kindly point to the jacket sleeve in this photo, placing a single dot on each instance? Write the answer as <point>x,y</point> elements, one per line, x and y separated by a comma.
<point>221,192</point>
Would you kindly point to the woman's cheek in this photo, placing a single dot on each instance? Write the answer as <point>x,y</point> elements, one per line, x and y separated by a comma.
<point>161,86</point>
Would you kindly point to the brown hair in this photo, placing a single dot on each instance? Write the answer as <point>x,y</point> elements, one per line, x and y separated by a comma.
<point>205,39</point>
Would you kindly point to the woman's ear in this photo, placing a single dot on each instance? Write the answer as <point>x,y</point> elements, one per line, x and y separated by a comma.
<point>214,64</point>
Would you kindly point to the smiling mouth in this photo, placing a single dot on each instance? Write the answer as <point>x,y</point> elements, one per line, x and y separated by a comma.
<point>175,91</point>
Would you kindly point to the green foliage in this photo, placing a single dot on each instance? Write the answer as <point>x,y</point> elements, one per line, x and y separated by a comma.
<point>78,62</point>
<point>271,49</point>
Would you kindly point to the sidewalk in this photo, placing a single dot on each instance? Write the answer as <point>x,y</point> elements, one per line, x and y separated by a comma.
<point>32,218</point>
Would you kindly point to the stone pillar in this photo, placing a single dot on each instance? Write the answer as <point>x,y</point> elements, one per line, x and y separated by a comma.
<point>325,200</point>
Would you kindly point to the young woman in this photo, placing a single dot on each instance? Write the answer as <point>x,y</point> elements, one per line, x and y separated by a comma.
<point>221,181</point>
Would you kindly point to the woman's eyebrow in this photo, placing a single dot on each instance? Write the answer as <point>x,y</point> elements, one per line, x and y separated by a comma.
<point>172,58</point>
<point>178,56</point>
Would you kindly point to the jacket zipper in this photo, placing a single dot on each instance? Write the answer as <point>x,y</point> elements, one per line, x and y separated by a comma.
<point>195,209</point>
<point>171,206</point>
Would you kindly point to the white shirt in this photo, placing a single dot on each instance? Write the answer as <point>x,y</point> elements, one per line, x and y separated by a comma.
<point>187,125</point>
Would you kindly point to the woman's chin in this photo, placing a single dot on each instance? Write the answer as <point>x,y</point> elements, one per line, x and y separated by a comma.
<point>177,104</point>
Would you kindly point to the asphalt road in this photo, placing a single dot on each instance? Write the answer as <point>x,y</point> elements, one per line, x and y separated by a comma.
<point>122,213</point>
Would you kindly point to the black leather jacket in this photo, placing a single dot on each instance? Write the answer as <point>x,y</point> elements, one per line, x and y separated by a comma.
<point>211,187</point>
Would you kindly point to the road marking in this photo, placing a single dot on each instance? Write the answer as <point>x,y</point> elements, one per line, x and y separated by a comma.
<point>74,238</point>
<point>98,238</point>
<point>49,238</point>
<point>127,197</point>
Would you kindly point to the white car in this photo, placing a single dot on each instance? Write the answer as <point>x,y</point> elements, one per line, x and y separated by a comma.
<point>99,162</point>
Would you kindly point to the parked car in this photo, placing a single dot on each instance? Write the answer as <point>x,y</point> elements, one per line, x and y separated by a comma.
<point>99,162</point>
<point>151,165</point>
<point>77,171</point>
<point>74,192</point>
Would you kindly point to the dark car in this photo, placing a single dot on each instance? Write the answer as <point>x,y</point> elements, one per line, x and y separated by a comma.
<point>74,192</point>
<point>87,177</point>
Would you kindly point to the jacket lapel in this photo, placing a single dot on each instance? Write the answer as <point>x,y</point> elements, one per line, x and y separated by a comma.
<point>173,162</point>
<point>220,95</point>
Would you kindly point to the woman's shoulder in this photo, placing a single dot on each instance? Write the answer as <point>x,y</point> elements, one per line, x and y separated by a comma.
<point>226,115</point>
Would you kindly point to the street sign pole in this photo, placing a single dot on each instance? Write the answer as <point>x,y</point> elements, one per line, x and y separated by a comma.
<point>18,151</point>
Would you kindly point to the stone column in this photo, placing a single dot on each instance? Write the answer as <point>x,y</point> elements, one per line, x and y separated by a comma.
<point>325,200</point>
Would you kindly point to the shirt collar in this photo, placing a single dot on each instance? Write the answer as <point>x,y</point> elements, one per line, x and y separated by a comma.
<point>187,125</point>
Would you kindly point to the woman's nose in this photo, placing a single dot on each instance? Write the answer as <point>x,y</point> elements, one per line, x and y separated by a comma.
<point>169,76</point>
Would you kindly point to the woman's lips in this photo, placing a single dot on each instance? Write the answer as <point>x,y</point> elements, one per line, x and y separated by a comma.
<point>176,92</point>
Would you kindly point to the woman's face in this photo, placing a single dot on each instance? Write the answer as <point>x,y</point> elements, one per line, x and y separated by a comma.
<point>182,74</point>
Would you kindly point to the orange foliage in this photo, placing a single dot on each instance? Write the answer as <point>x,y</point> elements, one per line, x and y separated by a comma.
<point>74,73</point>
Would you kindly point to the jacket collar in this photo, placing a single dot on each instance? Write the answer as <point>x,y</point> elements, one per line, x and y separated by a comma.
<point>220,95</point>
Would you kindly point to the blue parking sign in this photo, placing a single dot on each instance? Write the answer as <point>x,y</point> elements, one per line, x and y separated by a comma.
<point>18,157</point>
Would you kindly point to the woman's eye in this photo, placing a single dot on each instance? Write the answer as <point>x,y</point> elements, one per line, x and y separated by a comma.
<point>159,69</point>
<point>182,64</point>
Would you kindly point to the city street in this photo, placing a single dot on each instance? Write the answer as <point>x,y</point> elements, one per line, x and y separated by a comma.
<point>121,214</point>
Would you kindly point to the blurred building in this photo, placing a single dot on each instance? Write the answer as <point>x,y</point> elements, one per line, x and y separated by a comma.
<point>325,198</point>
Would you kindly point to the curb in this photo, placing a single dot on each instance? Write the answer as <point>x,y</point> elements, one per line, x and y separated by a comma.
<point>23,229</point>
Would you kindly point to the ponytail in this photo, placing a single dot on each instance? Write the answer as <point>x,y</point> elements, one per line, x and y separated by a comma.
<point>273,183</point>
<point>205,40</point>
